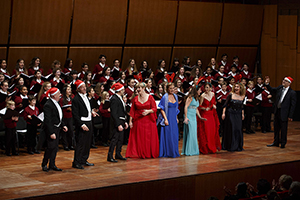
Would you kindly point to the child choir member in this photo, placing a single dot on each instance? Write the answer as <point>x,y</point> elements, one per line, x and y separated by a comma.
<point>208,130</point>
<point>213,64</point>
<point>68,66</point>
<point>131,69</point>
<point>143,138</point>
<point>148,88</point>
<point>21,100</point>
<point>3,67</point>
<point>93,97</point>
<point>65,102</point>
<point>20,68</point>
<point>3,90</point>
<point>221,98</point>
<point>99,67</point>
<point>181,75</point>
<point>104,109</point>
<point>245,72</point>
<point>122,78</point>
<point>88,79</point>
<point>130,88</point>
<point>175,66</point>
<point>10,120</point>
<point>233,71</point>
<point>144,66</point>
<point>220,73</point>
<point>195,73</point>
<point>225,63</point>
<point>236,63</point>
<point>105,76</point>
<point>160,91</point>
<point>37,80</point>
<point>160,70</point>
<point>31,133</point>
<point>84,69</point>
<point>57,78</point>
<point>55,64</point>
<point>115,71</point>
<point>42,97</point>
<point>249,107</point>
<point>34,65</point>
<point>18,83</point>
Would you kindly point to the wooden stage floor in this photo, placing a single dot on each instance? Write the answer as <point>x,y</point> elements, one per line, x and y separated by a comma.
<point>22,176</point>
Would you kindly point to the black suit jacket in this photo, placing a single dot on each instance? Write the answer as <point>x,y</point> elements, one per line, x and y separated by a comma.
<point>118,113</point>
<point>288,103</point>
<point>79,110</point>
<point>51,117</point>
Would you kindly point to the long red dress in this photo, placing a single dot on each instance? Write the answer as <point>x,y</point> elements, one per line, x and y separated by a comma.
<point>208,131</point>
<point>143,139</point>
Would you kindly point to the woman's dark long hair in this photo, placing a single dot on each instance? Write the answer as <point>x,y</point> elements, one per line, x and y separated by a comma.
<point>64,91</point>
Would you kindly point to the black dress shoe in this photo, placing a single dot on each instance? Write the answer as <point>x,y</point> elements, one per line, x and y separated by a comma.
<point>77,166</point>
<point>282,146</point>
<point>273,145</point>
<point>30,152</point>
<point>56,168</point>
<point>264,131</point>
<point>111,160</point>
<point>36,152</point>
<point>66,149</point>
<point>72,148</point>
<point>93,146</point>
<point>89,164</point>
<point>44,168</point>
<point>120,157</point>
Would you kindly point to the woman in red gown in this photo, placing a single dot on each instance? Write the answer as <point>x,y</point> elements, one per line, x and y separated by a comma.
<point>208,131</point>
<point>143,139</point>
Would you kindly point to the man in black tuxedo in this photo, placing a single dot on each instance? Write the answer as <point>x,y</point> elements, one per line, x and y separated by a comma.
<point>285,105</point>
<point>82,115</point>
<point>52,124</point>
<point>118,122</point>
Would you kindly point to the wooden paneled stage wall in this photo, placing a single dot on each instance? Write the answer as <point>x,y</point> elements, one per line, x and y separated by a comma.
<point>124,29</point>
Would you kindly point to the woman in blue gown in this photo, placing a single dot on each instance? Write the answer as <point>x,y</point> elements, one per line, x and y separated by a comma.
<point>190,141</point>
<point>168,144</point>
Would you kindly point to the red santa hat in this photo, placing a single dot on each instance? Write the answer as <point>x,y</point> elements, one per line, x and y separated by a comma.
<point>117,87</point>
<point>289,79</point>
<point>78,83</point>
<point>52,91</point>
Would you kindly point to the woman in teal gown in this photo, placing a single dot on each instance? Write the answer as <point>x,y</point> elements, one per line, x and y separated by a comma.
<point>190,142</point>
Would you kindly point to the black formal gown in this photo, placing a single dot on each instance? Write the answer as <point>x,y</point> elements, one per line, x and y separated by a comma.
<point>233,134</point>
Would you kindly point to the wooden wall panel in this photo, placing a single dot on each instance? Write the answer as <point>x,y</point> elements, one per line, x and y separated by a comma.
<point>286,62</point>
<point>3,51</point>
<point>196,23</point>
<point>91,55</point>
<point>287,30</point>
<point>296,85</point>
<point>151,22</point>
<point>195,53</point>
<point>46,54</point>
<point>298,39</point>
<point>241,24</point>
<point>4,20</point>
<point>41,22</point>
<point>268,56</point>
<point>99,22</point>
<point>270,20</point>
<point>151,54</point>
<point>246,54</point>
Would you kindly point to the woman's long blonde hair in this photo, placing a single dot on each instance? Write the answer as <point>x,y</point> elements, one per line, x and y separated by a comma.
<point>242,89</point>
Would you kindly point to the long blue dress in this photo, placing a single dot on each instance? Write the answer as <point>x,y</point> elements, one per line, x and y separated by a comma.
<point>190,142</point>
<point>168,144</point>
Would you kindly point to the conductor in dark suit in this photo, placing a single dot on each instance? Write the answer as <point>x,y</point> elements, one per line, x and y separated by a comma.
<point>118,120</point>
<point>285,105</point>
<point>82,115</point>
<point>52,124</point>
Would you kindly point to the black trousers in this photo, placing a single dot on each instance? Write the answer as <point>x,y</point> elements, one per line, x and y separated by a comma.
<point>83,144</point>
<point>266,118</point>
<point>248,116</point>
<point>10,140</point>
<point>116,141</point>
<point>67,137</point>
<point>220,112</point>
<point>105,129</point>
<point>280,126</point>
<point>51,150</point>
<point>31,136</point>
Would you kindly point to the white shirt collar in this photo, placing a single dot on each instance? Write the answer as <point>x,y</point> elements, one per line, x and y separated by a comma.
<point>121,100</point>
<point>162,69</point>
<point>249,90</point>
<point>245,72</point>
<point>36,68</point>
<point>224,63</point>
<point>148,89</point>
<point>224,92</point>
<point>39,80</point>
<point>131,88</point>
<point>32,107</point>
<point>87,104</point>
<point>3,70</point>
<point>21,70</point>
<point>58,108</point>
<point>107,77</point>
<point>56,79</point>
<point>181,76</point>
<point>222,74</point>
<point>102,65</point>
<point>23,97</point>
<point>3,91</point>
<point>260,85</point>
